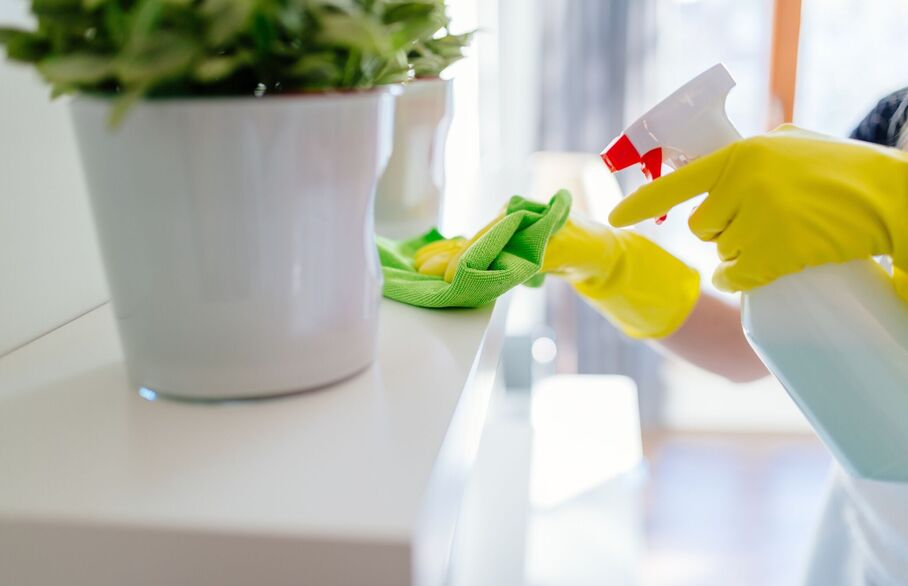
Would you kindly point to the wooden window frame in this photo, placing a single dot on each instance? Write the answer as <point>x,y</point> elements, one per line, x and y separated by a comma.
<point>783,65</point>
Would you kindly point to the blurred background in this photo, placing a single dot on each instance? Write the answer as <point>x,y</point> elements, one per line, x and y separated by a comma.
<point>603,462</point>
<point>721,483</point>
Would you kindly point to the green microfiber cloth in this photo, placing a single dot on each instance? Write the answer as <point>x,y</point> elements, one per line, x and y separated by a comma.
<point>509,254</point>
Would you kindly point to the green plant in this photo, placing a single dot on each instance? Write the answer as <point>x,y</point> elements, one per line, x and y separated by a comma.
<point>431,55</point>
<point>138,48</point>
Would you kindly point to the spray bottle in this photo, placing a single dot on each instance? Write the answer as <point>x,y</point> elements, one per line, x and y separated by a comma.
<point>835,336</point>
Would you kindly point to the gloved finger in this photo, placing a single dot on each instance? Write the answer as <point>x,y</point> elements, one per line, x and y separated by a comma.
<point>424,256</point>
<point>726,276</point>
<point>739,274</point>
<point>437,245</point>
<point>900,280</point>
<point>435,266</point>
<point>657,198</point>
<point>714,214</point>
<point>730,242</point>
<point>434,249</point>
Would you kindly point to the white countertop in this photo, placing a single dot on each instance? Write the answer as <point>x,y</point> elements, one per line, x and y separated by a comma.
<point>358,481</point>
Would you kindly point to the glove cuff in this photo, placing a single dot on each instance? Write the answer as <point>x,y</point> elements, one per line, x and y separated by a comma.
<point>648,294</point>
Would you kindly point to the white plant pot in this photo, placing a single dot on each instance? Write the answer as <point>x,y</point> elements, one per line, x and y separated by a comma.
<point>238,239</point>
<point>410,191</point>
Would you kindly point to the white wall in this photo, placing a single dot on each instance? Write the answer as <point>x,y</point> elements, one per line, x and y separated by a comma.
<point>14,12</point>
<point>50,271</point>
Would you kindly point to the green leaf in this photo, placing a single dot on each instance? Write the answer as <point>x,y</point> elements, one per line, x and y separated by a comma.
<point>450,45</point>
<point>410,11</point>
<point>23,45</point>
<point>226,47</point>
<point>76,68</point>
<point>394,70</point>
<point>362,33</point>
<point>432,56</point>
<point>405,35</point>
<point>123,104</point>
<point>58,90</point>
<point>51,8</point>
<point>226,19</point>
<point>291,21</point>
<point>320,66</point>
<point>42,5</point>
<point>144,20</point>
<point>347,6</point>
<point>263,33</point>
<point>352,69</point>
<point>7,33</point>
<point>116,23</point>
<point>413,20</point>
<point>162,57</point>
<point>216,68</point>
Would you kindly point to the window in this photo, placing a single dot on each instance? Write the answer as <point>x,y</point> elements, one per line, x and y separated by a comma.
<point>841,73</point>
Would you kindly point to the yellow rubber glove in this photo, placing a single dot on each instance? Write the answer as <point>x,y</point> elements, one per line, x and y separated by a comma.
<point>440,258</point>
<point>435,258</point>
<point>787,200</point>
<point>638,286</point>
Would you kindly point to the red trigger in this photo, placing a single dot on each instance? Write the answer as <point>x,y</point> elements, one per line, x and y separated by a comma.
<point>652,168</point>
<point>652,163</point>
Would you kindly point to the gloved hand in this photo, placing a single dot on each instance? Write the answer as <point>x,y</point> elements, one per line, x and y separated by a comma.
<point>637,285</point>
<point>787,200</point>
<point>440,258</point>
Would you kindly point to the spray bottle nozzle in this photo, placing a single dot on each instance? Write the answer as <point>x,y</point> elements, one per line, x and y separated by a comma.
<point>622,153</point>
<point>688,124</point>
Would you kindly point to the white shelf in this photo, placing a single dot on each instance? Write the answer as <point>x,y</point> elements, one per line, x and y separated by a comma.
<point>358,483</point>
